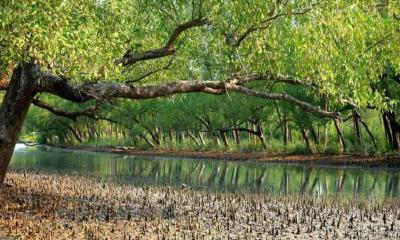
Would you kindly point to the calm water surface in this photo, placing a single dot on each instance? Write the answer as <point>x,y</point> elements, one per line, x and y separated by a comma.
<point>212,175</point>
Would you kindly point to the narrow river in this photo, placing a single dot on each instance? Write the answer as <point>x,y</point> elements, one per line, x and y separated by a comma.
<point>213,175</point>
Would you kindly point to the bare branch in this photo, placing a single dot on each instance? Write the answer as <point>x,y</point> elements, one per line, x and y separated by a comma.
<point>265,24</point>
<point>152,72</point>
<point>131,58</point>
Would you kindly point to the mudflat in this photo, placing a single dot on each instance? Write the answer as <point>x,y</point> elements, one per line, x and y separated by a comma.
<point>37,205</point>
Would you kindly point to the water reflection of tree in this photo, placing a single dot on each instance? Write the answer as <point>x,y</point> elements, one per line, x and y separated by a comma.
<point>392,185</point>
<point>234,176</point>
<point>313,185</point>
<point>260,180</point>
<point>214,174</point>
<point>340,181</point>
<point>224,175</point>
<point>305,180</point>
<point>284,182</point>
<point>190,174</point>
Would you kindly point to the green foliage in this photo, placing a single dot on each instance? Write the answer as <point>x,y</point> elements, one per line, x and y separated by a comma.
<point>333,45</point>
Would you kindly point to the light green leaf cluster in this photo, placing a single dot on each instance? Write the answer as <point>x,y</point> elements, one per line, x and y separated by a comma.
<point>79,39</point>
<point>343,46</point>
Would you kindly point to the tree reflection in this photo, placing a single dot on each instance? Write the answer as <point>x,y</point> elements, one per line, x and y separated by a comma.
<point>213,175</point>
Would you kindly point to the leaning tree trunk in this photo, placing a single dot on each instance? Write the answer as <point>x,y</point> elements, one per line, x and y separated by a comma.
<point>222,133</point>
<point>285,132</point>
<point>342,142</point>
<point>236,136</point>
<point>261,135</point>
<point>388,132</point>
<point>394,130</point>
<point>356,126</point>
<point>304,133</point>
<point>13,110</point>
<point>326,134</point>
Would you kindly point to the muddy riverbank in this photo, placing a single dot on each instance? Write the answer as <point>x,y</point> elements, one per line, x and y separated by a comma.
<point>49,206</point>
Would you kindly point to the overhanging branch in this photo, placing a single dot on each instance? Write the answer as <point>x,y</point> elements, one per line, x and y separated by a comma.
<point>81,93</point>
<point>287,98</point>
<point>104,91</point>
<point>88,112</point>
<point>61,87</point>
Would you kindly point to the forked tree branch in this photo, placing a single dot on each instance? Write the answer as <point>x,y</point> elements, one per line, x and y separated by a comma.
<point>264,24</point>
<point>168,49</point>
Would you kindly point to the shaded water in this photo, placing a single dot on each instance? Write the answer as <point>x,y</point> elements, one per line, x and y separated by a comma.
<point>214,175</point>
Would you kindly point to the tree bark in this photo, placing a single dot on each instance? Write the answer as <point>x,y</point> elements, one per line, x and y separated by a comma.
<point>20,93</point>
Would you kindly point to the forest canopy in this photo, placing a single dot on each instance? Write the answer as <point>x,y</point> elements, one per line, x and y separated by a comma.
<point>342,46</point>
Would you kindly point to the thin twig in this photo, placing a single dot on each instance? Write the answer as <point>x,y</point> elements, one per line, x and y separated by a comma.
<point>153,72</point>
